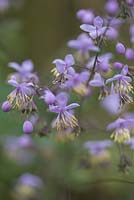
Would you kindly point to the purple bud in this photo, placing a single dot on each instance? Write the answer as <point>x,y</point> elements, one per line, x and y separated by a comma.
<point>120,48</point>
<point>129,54</point>
<point>112,7</point>
<point>118,65</point>
<point>27,127</point>
<point>6,106</point>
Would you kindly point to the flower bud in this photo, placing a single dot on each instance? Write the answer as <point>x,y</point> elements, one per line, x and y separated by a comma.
<point>129,54</point>
<point>6,106</point>
<point>118,65</point>
<point>27,127</point>
<point>120,48</point>
<point>111,7</point>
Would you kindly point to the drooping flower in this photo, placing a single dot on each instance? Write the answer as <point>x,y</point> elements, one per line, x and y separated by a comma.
<point>22,95</point>
<point>123,85</point>
<point>19,149</point>
<point>112,102</point>
<point>28,186</point>
<point>121,128</point>
<point>97,29</point>
<point>65,118</point>
<point>48,97</point>
<point>97,81</point>
<point>24,71</point>
<point>97,147</point>
<point>63,66</point>
<point>78,83</point>
<point>84,44</point>
<point>102,63</point>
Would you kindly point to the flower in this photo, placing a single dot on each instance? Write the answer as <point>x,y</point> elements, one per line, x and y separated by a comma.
<point>122,86</point>
<point>97,147</point>
<point>121,128</point>
<point>28,186</point>
<point>48,97</point>
<point>86,16</point>
<point>95,30</point>
<point>102,64</point>
<point>112,102</point>
<point>63,66</point>
<point>79,83</point>
<point>19,149</point>
<point>83,43</point>
<point>97,81</point>
<point>65,118</point>
<point>22,95</point>
<point>24,71</point>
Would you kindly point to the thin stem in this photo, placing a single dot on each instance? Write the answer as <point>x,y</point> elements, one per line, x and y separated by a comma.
<point>116,180</point>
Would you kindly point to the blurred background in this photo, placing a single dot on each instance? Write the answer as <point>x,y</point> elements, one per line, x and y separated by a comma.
<point>39,30</point>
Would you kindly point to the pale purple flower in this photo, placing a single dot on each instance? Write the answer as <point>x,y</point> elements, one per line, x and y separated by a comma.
<point>112,102</point>
<point>83,43</point>
<point>86,16</point>
<point>21,95</point>
<point>97,147</point>
<point>48,97</point>
<point>102,64</point>
<point>96,30</point>
<point>30,180</point>
<point>20,149</point>
<point>121,77</point>
<point>24,71</point>
<point>78,83</point>
<point>97,81</point>
<point>64,66</point>
<point>121,129</point>
<point>123,86</point>
<point>65,118</point>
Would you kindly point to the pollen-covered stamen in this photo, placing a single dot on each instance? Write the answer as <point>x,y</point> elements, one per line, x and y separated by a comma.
<point>81,89</point>
<point>121,135</point>
<point>125,98</point>
<point>18,99</point>
<point>55,72</point>
<point>66,120</point>
<point>123,87</point>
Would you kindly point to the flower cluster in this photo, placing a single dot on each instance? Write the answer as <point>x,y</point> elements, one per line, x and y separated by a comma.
<point>90,67</point>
